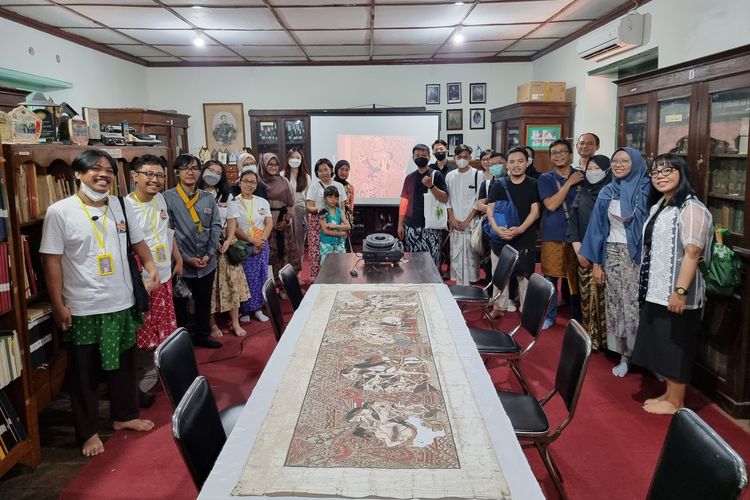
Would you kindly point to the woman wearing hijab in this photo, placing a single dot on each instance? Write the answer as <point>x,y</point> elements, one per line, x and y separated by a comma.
<point>613,244</point>
<point>341,175</point>
<point>281,200</point>
<point>246,161</point>
<point>296,174</point>
<point>597,175</point>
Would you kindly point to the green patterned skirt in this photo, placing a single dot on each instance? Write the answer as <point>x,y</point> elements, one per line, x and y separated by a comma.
<point>114,332</point>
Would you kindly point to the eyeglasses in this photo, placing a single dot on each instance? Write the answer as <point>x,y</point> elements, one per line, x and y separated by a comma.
<point>190,169</point>
<point>665,171</point>
<point>621,162</point>
<point>151,175</point>
<point>559,153</point>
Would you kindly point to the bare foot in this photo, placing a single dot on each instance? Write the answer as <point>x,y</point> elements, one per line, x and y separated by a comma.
<point>651,401</point>
<point>661,408</point>
<point>239,331</point>
<point>496,313</point>
<point>137,424</point>
<point>216,332</point>
<point>92,447</point>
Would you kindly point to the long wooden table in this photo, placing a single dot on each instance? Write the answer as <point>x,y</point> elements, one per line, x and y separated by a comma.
<point>230,464</point>
<point>416,267</point>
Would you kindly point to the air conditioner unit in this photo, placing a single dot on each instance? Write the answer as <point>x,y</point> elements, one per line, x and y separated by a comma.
<point>618,36</point>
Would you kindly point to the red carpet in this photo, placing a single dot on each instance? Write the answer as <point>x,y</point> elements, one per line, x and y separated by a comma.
<point>608,451</point>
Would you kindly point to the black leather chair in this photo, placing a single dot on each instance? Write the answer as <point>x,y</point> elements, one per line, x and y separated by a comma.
<point>473,295</point>
<point>496,343</point>
<point>177,369</point>
<point>197,430</point>
<point>527,414</point>
<point>274,308</point>
<point>696,463</point>
<point>289,281</point>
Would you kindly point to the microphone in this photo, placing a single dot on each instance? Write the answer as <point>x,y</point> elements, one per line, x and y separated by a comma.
<point>95,218</point>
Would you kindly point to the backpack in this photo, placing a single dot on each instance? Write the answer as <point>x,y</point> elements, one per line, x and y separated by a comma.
<point>505,214</point>
<point>724,270</point>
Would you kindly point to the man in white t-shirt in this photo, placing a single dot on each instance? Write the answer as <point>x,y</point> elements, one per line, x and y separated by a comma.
<point>84,245</point>
<point>463,187</point>
<point>150,209</point>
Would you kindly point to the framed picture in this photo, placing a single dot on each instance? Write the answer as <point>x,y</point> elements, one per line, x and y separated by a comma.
<point>541,136</point>
<point>225,126</point>
<point>476,118</point>
<point>455,140</point>
<point>454,119</point>
<point>294,131</point>
<point>432,93</point>
<point>454,92</point>
<point>477,93</point>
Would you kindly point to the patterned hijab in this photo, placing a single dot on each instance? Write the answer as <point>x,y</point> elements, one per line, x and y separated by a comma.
<point>279,190</point>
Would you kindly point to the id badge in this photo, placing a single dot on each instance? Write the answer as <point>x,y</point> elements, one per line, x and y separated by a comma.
<point>160,251</point>
<point>105,264</point>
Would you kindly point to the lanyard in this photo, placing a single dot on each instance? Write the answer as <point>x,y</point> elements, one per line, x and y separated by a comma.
<point>190,205</point>
<point>145,213</point>
<point>99,236</point>
<point>250,212</point>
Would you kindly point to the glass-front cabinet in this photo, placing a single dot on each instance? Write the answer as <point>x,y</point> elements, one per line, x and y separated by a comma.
<point>634,123</point>
<point>280,131</point>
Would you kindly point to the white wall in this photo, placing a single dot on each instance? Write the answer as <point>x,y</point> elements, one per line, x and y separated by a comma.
<point>99,80</point>
<point>186,89</point>
<point>681,29</point>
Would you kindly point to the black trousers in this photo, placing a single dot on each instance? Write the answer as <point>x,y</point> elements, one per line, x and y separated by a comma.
<point>82,381</point>
<point>201,288</point>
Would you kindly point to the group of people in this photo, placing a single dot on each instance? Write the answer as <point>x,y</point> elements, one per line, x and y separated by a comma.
<point>621,238</point>
<point>204,240</point>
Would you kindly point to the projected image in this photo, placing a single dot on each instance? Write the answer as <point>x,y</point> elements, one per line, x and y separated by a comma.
<point>379,163</point>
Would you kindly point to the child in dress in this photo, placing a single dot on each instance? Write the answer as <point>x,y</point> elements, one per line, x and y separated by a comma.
<point>334,227</point>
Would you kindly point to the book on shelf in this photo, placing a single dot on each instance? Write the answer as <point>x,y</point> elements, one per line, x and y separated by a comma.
<point>41,345</point>
<point>30,278</point>
<point>11,362</point>
<point>3,214</point>
<point>37,190</point>
<point>5,300</point>
<point>12,421</point>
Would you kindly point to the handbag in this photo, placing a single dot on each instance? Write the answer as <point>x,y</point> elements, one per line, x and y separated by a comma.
<point>724,270</point>
<point>237,252</point>
<point>505,214</point>
<point>435,212</point>
<point>142,300</point>
<point>476,238</point>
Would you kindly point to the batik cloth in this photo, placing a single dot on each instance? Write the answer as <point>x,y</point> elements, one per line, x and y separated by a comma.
<point>559,261</point>
<point>230,286</point>
<point>621,296</point>
<point>464,261</point>
<point>255,268</point>
<point>313,245</point>
<point>593,309</point>
<point>420,239</point>
<point>159,321</point>
<point>114,332</point>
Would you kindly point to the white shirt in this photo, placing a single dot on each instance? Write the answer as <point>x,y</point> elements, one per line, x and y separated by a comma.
<point>251,213</point>
<point>463,190</point>
<point>315,192</point>
<point>67,231</point>
<point>145,220</point>
<point>617,232</point>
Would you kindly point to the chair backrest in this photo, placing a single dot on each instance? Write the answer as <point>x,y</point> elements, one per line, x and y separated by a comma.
<point>696,463</point>
<point>574,360</point>
<point>176,365</point>
<point>506,264</point>
<point>536,304</point>
<point>274,308</point>
<point>289,281</point>
<point>197,430</point>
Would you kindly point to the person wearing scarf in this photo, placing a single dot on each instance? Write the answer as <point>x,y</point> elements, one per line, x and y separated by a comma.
<point>613,244</point>
<point>281,199</point>
<point>341,175</point>
<point>597,175</point>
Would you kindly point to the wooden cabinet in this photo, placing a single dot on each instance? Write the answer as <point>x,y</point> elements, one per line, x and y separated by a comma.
<point>701,110</point>
<point>280,131</point>
<point>39,382</point>
<point>170,128</point>
<point>517,125</point>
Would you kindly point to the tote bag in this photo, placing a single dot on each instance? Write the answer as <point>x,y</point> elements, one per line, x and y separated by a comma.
<point>435,212</point>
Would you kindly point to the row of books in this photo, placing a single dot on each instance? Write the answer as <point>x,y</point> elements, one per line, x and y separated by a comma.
<point>10,357</point>
<point>37,190</point>
<point>11,428</point>
<point>3,216</point>
<point>5,301</point>
<point>29,273</point>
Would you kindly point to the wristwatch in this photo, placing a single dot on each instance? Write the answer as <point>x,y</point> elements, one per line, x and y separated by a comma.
<point>680,291</point>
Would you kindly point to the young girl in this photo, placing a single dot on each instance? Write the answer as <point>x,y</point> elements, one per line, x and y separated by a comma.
<point>334,227</point>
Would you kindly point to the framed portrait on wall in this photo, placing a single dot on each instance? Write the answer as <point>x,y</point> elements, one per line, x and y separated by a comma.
<point>454,92</point>
<point>432,93</point>
<point>477,93</point>
<point>476,118</point>
<point>455,140</point>
<point>541,136</point>
<point>225,126</point>
<point>454,119</point>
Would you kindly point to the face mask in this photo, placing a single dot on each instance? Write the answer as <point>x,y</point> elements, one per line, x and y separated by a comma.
<point>249,168</point>
<point>531,160</point>
<point>496,170</point>
<point>91,194</point>
<point>440,155</point>
<point>595,176</point>
<point>295,162</point>
<point>421,162</point>
<point>211,178</point>
<point>462,163</point>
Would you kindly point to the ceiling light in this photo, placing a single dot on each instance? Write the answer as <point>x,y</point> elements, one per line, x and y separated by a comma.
<point>199,40</point>
<point>197,7</point>
<point>458,3</point>
<point>458,37</point>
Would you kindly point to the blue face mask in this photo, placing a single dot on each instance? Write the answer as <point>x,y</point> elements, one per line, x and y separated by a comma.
<point>496,170</point>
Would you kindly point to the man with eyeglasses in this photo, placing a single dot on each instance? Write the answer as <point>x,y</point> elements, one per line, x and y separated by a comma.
<point>150,208</point>
<point>587,145</point>
<point>557,192</point>
<point>197,226</point>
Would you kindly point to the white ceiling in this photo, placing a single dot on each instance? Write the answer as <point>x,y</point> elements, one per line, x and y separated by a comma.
<point>161,32</point>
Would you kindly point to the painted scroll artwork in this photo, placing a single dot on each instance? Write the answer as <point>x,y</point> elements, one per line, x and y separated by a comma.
<point>374,398</point>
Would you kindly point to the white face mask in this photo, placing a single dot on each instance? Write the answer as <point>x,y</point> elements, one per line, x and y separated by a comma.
<point>595,176</point>
<point>295,162</point>
<point>462,163</point>
<point>531,160</point>
<point>91,194</point>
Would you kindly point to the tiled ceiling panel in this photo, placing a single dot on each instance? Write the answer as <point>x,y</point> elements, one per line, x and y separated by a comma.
<point>154,32</point>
